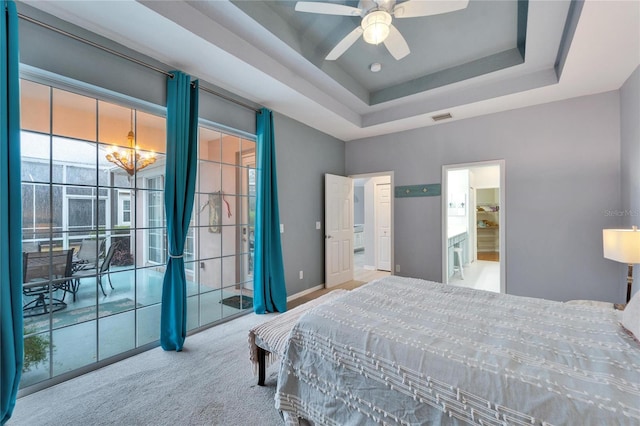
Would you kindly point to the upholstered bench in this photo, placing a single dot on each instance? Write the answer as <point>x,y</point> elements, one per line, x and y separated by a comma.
<point>268,341</point>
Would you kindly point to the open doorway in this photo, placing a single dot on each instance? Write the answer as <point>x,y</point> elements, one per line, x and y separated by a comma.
<point>473,225</point>
<point>373,225</point>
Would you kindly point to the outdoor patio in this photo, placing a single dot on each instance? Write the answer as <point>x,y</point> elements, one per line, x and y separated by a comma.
<point>126,318</point>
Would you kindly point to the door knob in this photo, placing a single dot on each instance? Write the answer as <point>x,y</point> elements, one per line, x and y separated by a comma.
<point>328,236</point>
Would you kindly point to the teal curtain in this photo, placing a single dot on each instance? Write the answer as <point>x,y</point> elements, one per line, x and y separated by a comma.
<point>11,332</point>
<point>180,185</point>
<point>269,290</point>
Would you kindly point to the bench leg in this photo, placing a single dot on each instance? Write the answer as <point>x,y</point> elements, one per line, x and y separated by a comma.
<point>262,361</point>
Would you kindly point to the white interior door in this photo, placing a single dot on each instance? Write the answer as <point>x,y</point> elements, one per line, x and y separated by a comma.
<point>383,226</point>
<point>338,214</point>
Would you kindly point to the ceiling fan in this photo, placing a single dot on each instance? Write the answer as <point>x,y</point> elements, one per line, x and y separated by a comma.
<point>376,26</point>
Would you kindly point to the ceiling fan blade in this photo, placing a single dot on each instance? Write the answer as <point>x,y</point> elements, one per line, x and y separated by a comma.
<point>344,44</point>
<point>415,8</point>
<point>396,44</point>
<point>327,8</point>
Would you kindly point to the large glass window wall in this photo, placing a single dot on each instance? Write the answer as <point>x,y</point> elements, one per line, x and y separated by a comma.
<point>94,233</point>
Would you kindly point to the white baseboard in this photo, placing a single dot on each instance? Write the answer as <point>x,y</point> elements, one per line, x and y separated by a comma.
<point>305,292</point>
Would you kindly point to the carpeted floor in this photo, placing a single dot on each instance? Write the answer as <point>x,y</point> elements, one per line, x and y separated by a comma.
<point>209,383</point>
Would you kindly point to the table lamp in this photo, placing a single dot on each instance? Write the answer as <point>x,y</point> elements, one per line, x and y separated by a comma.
<point>623,245</point>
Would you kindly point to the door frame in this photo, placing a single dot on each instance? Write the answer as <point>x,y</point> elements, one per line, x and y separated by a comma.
<point>390,174</point>
<point>501,219</point>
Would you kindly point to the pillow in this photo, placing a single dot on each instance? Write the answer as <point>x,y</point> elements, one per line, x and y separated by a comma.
<point>631,316</point>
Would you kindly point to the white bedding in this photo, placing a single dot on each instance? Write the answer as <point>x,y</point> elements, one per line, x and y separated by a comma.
<point>408,351</point>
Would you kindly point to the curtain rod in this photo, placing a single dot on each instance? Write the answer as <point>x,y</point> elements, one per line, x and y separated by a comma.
<point>227,98</point>
<point>89,42</point>
<point>129,58</point>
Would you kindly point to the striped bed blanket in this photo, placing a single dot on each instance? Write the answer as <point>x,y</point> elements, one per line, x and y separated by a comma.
<point>401,351</point>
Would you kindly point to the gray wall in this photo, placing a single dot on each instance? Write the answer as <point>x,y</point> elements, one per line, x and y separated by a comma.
<point>630,152</point>
<point>303,156</point>
<point>562,175</point>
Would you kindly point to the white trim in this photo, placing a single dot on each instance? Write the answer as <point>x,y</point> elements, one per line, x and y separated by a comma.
<point>304,292</point>
<point>502,216</point>
<point>123,195</point>
<point>393,208</point>
<point>148,230</point>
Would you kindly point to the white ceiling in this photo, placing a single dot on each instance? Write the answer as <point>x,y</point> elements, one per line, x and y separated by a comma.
<point>219,43</point>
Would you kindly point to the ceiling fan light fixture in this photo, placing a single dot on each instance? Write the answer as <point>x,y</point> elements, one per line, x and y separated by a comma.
<point>375,26</point>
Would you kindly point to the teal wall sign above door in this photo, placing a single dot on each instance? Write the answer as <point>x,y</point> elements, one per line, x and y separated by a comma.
<point>426,190</point>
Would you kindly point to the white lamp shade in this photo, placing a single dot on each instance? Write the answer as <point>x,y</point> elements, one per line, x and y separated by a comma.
<point>622,245</point>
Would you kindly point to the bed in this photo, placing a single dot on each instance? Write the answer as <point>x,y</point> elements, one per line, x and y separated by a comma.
<point>407,351</point>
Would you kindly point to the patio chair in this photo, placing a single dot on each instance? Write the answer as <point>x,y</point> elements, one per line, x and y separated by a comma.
<point>30,246</point>
<point>44,273</point>
<point>88,254</point>
<point>101,269</point>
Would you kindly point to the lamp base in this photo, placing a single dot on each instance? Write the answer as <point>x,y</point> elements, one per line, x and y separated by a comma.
<point>629,281</point>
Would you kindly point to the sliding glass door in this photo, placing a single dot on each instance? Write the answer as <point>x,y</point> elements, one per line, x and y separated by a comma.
<point>222,224</point>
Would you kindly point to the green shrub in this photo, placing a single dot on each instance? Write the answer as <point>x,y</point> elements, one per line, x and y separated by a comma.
<point>36,350</point>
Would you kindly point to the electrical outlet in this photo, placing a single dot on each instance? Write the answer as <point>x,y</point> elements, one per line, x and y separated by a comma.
<point>282,228</point>
<point>301,274</point>
<point>318,225</point>
<point>201,265</point>
<point>397,268</point>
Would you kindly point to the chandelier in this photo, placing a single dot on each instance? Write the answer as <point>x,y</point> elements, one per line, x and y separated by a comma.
<point>129,159</point>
